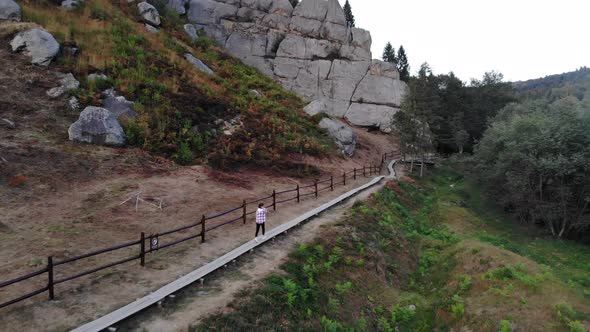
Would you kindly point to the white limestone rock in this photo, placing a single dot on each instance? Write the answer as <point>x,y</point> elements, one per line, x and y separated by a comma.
<point>10,10</point>
<point>198,64</point>
<point>149,13</point>
<point>67,83</point>
<point>380,90</point>
<point>38,44</point>
<point>342,134</point>
<point>97,125</point>
<point>371,115</point>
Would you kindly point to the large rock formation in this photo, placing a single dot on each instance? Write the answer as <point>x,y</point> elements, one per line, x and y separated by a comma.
<point>309,50</point>
<point>342,135</point>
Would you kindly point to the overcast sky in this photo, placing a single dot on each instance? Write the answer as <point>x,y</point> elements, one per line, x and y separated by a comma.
<point>522,39</point>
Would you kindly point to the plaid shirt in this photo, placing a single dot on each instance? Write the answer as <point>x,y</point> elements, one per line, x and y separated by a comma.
<point>261,215</point>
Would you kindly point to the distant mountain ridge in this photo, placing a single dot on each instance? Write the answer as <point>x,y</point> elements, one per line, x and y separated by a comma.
<point>553,87</point>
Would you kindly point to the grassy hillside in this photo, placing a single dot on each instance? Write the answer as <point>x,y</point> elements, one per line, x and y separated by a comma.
<point>181,109</point>
<point>554,87</point>
<point>432,256</point>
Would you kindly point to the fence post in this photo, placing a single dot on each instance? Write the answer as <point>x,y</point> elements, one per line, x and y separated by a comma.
<point>331,183</point>
<point>316,188</point>
<point>364,171</point>
<point>274,200</point>
<point>50,277</point>
<point>142,249</point>
<point>244,211</point>
<point>297,193</point>
<point>344,178</point>
<point>203,229</point>
<point>354,176</point>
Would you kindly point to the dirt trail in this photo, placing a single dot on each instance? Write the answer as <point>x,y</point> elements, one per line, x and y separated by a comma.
<point>196,302</point>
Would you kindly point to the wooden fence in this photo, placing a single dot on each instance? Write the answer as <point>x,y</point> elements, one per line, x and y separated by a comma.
<point>155,242</point>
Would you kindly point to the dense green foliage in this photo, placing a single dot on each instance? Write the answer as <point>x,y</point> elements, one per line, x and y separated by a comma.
<point>348,14</point>
<point>456,114</point>
<point>389,53</point>
<point>554,87</point>
<point>403,65</point>
<point>535,159</point>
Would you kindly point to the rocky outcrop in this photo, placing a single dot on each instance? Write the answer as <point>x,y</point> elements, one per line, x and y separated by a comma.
<point>10,10</point>
<point>38,44</point>
<point>67,83</point>
<point>342,134</point>
<point>178,5</point>
<point>309,50</point>
<point>97,126</point>
<point>198,64</point>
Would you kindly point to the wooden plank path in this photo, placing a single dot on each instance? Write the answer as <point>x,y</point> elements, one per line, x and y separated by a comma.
<point>153,298</point>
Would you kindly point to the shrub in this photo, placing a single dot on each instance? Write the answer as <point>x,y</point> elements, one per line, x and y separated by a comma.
<point>505,326</point>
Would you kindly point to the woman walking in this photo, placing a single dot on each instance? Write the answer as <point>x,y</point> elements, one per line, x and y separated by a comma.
<point>260,220</point>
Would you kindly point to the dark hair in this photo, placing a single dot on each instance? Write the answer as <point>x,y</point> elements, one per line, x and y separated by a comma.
<point>260,205</point>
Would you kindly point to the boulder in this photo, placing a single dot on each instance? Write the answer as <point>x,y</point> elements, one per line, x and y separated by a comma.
<point>371,115</point>
<point>342,134</point>
<point>178,6</point>
<point>38,44</point>
<point>70,4</point>
<point>97,125</point>
<point>96,76</point>
<point>120,107</point>
<point>255,93</point>
<point>293,46</point>
<point>198,64</point>
<point>10,10</point>
<point>191,31</point>
<point>334,32</point>
<point>380,90</point>
<point>149,13</point>
<point>67,83</point>
<point>152,28</point>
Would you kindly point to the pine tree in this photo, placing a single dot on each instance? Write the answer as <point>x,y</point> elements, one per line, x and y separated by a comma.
<point>402,64</point>
<point>389,53</point>
<point>348,14</point>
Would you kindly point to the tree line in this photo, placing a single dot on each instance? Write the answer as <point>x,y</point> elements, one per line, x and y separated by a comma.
<point>531,154</point>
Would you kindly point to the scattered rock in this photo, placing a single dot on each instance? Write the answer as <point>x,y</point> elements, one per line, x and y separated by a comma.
<point>10,10</point>
<point>70,4</point>
<point>71,49</point>
<point>231,126</point>
<point>343,135</point>
<point>97,126</point>
<point>119,106</point>
<point>255,94</point>
<point>8,123</point>
<point>74,104</point>
<point>191,31</point>
<point>38,44</point>
<point>149,13</point>
<point>67,83</point>
<point>96,76</point>
<point>198,64</point>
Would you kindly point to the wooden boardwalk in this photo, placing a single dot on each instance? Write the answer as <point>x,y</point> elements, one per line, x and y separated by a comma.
<point>153,298</point>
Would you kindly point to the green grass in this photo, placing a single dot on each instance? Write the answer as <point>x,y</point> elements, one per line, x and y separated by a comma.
<point>390,266</point>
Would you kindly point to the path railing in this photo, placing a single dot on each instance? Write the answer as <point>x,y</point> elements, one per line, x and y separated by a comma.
<point>159,241</point>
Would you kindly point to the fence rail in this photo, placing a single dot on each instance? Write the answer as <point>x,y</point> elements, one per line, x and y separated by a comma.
<point>151,243</point>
